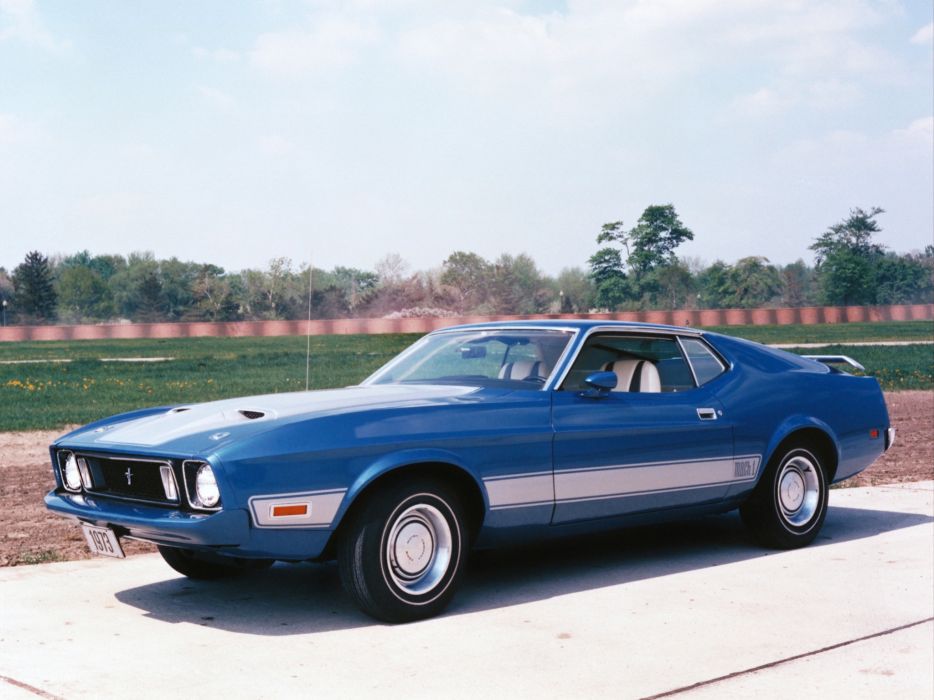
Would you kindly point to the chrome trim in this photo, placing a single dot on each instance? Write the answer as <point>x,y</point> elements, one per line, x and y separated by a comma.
<point>85,472</point>
<point>323,507</point>
<point>122,458</point>
<point>169,482</point>
<point>889,437</point>
<point>119,497</point>
<point>684,354</point>
<point>191,504</point>
<point>836,359</point>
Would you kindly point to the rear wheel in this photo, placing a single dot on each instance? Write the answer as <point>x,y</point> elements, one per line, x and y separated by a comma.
<point>789,505</point>
<point>402,554</point>
<point>206,566</point>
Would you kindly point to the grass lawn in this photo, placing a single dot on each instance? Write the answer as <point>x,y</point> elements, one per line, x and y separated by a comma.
<point>841,333</point>
<point>49,394</point>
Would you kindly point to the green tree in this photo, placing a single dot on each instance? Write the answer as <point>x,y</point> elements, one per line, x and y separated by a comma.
<point>517,286</point>
<point>797,284</point>
<point>847,258</point>
<point>649,246</point>
<point>127,282</point>
<point>655,237</point>
<point>6,296</point>
<point>753,282</point>
<point>715,287</point>
<point>83,295</point>
<point>355,285</point>
<point>34,293</point>
<point>214,295</point>
<point>470,275</point>
<point>675,285</point>
<point>903,279</point>
<point>575,291</point>
<point>151,306</point>
<point>611,287</point>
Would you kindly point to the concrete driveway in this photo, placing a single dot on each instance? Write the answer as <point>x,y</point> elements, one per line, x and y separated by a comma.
<point>692,609</point>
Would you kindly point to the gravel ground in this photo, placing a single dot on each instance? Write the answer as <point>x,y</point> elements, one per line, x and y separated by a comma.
<point>31,535</point>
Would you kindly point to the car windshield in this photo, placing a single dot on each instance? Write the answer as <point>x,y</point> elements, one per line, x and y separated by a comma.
<point>491,357</point>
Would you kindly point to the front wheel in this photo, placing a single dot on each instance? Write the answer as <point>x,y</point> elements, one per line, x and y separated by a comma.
<point>206,566</point>
<point>401,556</point>
<point>789,505</point>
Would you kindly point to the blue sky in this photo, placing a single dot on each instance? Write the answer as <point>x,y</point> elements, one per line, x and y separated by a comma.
<point>237,132</point>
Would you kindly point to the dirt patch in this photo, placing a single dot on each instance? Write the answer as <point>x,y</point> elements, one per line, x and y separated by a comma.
<point>32,535</point>
<point>911,458</point>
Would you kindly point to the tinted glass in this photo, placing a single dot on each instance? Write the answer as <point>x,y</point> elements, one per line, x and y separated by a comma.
<point>520,358</point>
<point>601,351</point>
<point>706,365</point>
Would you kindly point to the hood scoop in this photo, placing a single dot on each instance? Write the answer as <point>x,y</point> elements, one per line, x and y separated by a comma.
<point>250,414</point>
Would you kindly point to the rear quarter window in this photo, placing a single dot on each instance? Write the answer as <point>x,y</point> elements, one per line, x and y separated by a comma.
<point>705,364</point>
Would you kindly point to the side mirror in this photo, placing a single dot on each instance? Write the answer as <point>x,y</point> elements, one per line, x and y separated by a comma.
<point>600,383</point>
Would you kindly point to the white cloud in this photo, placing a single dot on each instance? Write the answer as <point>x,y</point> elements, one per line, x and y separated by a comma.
<point>220,55</point>
<point>20,21</point>
<point>920,131</point>
<point>274,145</point>
<point>118,207</point>
<point>606,55</point>
<point>14,130</point>
<point>332,43</point>
<point>216,97</point>
<point>925,35</point>
<point>764,102</point>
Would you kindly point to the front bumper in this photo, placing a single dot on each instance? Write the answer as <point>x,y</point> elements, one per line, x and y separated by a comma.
<point>225,532</point>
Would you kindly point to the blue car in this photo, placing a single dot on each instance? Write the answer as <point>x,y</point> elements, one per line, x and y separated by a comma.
<point>476,436</point>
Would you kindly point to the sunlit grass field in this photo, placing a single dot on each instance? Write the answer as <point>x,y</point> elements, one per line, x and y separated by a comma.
<point>52,394</point>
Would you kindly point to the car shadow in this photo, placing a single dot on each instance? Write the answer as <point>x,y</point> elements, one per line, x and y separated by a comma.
<point>291,599</point>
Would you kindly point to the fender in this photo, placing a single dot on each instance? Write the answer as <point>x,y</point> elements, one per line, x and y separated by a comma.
<point>398,460</point>
<point>792,424</point>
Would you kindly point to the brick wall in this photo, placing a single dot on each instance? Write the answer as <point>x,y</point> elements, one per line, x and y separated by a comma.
<point>687,317</point>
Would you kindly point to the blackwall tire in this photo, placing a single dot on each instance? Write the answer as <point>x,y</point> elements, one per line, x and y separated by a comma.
<point>789,505</point>
<point>402,554</point>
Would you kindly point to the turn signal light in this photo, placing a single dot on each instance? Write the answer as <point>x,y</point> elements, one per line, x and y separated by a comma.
<point>298,509</point>
<point>874,433</point>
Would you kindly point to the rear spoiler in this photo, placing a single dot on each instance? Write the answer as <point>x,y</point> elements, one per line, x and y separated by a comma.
<point>837,360</point>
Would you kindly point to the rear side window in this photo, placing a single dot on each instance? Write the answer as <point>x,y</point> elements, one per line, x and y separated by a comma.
<point>706,365</point>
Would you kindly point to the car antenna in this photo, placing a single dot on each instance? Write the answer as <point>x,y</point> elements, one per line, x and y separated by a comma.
<point>308,325</point>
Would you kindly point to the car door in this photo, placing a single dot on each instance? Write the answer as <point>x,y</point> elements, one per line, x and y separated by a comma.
<point>638,448</point>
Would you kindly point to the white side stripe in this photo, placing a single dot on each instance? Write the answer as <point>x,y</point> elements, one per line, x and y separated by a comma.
<point>523,490</point>
<point>617,481</point>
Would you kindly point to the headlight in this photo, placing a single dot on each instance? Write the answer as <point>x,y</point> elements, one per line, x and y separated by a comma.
<point>70,473</point>
<point>206,487</point>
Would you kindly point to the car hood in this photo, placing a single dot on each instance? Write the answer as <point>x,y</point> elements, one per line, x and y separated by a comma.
<point>196,427</point>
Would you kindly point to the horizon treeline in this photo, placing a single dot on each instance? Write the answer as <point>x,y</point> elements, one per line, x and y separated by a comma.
<point>635,269</point>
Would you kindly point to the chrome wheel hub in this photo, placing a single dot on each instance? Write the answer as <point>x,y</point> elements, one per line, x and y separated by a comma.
<point>798,490</point>
<point>418,549</point>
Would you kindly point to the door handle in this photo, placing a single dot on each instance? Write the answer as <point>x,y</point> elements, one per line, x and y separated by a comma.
<point>706,414</point>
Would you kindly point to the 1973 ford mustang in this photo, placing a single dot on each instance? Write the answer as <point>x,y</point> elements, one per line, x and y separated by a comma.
<point>475,436</point>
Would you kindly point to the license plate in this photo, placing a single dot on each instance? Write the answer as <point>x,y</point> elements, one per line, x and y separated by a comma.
<point>103,541</point>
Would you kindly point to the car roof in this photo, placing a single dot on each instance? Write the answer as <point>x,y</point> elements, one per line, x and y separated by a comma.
<point>573,324</point>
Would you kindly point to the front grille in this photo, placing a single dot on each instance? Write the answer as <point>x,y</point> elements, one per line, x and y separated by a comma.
<point>128,478</point>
